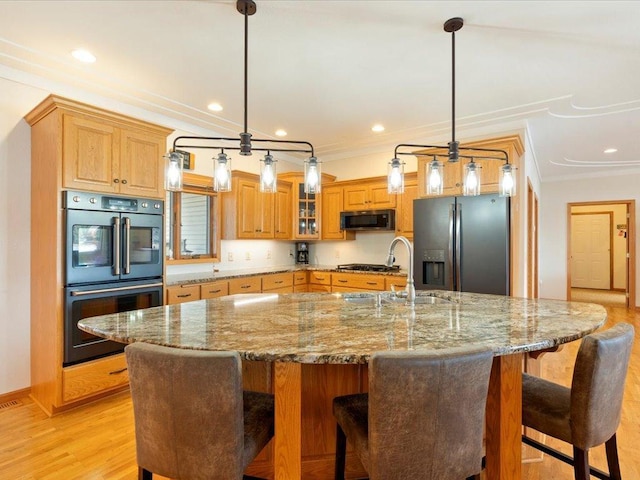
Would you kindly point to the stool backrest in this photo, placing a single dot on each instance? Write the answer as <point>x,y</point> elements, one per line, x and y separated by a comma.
<point>598,385</point>
<point>188,411</point>
<point>426,414</point>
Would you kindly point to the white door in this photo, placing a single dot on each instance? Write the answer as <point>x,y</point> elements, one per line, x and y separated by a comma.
<point>591,251</point>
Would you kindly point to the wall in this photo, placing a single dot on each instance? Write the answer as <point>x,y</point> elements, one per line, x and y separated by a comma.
<point>618,243</point>
<point>553,222</point>
<point>15,201</point>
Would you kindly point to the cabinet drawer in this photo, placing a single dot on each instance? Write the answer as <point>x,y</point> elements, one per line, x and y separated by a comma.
<point>300,278</point>
<point>364,282</point>
<point>182,293</point>
<point>319,288</point>
<point>93,377</point>
<point>320,278</point>
<point>245,285</point>
<point>214,289</point>
<point>397,282</point>
<point>300,288</point>
<point>277,280</point>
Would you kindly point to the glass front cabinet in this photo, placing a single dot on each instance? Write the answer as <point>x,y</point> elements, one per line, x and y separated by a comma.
<point>306,207</point>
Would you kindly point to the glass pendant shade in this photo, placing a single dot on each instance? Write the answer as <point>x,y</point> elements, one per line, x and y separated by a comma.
<point>173,172</point>
<point>312,175</point>
<point>471,179</point>
<point>222,173</point>
<point>395,176</point>
<point>268,177</point>
<point>507,181</point>
<point>435,177</point>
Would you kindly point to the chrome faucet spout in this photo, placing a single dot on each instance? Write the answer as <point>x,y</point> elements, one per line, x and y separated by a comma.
<point>410,288</point>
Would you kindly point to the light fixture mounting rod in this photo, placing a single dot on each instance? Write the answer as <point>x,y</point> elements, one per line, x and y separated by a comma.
<point>246,8</point>
<point>452,26</point>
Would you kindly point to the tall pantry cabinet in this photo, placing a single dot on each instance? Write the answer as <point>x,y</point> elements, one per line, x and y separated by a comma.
<point>78,147</point>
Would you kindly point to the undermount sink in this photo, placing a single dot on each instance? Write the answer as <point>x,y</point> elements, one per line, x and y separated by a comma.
<point>390,298</point>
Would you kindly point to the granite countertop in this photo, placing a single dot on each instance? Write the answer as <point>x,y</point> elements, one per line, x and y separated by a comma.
<point>348,328</point>
<point>202,277</point>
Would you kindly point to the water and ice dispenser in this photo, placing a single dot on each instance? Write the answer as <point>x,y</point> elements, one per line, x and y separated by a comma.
<point>433,262</point>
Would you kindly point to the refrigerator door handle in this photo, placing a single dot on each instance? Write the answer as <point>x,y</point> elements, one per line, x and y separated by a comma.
<point>451,237</point>
<point>458,237</point>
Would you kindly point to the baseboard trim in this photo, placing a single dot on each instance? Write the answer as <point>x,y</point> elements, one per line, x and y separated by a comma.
<point>7,397</point>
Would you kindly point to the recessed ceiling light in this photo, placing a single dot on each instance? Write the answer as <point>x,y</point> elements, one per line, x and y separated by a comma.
<point>377,128</point>
<point>611,150</point>
<point>83,55</point>
<point>215,107</point>
<point>281,133</point>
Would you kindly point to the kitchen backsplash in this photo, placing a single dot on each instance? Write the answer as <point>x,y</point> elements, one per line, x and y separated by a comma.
<point>368,247</point>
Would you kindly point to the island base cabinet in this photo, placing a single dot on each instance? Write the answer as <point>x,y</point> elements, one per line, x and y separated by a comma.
<point>318,385</point>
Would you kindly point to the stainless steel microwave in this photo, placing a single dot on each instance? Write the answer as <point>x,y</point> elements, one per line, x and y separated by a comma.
<point>368,220</point>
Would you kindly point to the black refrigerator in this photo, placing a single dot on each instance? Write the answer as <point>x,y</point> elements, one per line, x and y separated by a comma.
<point>462,244</point>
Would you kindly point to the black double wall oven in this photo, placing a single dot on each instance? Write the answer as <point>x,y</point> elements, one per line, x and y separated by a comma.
<point>113,263</point>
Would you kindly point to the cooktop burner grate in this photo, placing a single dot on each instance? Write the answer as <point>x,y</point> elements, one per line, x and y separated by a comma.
<point>367,267</point>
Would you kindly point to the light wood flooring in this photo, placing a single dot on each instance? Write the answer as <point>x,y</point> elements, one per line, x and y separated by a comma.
<point>96,441</point>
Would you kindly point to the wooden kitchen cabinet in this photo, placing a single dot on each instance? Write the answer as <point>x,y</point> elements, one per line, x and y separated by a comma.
<point>300,282</point>
<point>78,146</point>
<point>278,283</point>
<point>490,169</point>
<point>332,205</point>
<point>252,284</point>
<point>249,213</point>
<point>103,155</point>
<point>368,194</point>
<point>348,282</point>
<point>319,281</point>
<point>182,293</point>
<point>214,289</point>
<point>404,206</point>
<point>282,212</point>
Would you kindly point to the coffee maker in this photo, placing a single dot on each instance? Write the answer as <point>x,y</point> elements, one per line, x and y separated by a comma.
<point>302,253</point>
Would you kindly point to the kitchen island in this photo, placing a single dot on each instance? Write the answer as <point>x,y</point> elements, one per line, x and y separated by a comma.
<point>308,347</point>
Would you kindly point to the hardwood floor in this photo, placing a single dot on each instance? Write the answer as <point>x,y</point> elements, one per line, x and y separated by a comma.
<point>96,441</point>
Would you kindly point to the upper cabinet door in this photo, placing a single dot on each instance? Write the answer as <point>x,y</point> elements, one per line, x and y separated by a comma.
<point>368,195</point>
<point>90,155</point>
<point>102,156</point>
<point>141,164</point>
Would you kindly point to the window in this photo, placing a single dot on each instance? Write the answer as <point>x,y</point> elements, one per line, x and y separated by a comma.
<point>193,222</point>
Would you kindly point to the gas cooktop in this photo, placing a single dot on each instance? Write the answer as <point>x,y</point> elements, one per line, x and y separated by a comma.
<point>368,267</point>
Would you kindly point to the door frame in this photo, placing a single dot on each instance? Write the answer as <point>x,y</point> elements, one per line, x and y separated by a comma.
<point>631,245</point>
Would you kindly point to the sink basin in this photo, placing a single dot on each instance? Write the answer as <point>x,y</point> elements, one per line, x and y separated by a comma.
<point>388,298</point>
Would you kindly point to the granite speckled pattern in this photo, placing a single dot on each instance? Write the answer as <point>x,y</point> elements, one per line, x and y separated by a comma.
<point>335,328</point>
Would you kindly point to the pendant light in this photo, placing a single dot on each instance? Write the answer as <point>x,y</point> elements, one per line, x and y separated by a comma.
<point>222,163</point>
<point>312,175</point>
<point>173,172</point>
<point>435,174</point>
<point>395,176</point>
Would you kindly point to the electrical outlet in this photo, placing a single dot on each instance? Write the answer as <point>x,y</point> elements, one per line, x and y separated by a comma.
<point>290,252</point>
<point>247,256</point>
<point>230,256</point>
<point>268,254</point>
<point>337,254</point>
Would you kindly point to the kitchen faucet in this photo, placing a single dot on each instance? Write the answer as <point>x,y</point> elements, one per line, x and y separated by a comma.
<point>410,289</point>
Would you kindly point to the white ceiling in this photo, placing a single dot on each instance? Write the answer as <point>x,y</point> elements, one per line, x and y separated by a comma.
<point>326,71</point>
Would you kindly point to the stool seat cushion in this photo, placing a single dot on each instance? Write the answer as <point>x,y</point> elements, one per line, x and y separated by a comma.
<point>546,407</point>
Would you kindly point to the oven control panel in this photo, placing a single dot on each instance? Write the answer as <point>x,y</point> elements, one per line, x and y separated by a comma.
<point>110,203</point>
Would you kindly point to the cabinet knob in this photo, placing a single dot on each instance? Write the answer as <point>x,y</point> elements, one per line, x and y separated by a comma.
<point>124,182</point>
<point>116,180</point>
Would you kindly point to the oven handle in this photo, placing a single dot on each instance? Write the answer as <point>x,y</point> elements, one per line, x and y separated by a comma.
<point>127,247</point>
<point>80,293</point>
<point>116,245</point>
